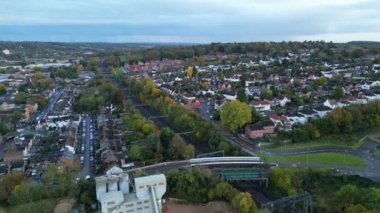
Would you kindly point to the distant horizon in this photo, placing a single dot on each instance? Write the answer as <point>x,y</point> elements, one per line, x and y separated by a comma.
<point>189,21</point>
<point>175,43</point>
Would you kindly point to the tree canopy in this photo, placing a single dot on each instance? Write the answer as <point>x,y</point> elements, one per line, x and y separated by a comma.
<point>235,114</point>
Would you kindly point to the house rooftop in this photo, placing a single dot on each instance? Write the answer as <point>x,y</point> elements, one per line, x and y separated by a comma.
<point>260,125</point>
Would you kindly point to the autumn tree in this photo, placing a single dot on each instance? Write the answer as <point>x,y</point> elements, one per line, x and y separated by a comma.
<point>235,114</point>
<point>204,85</point>
<point>320,81</point>
<point>8,184</point>
<point>189,72</point>
<point>243,203</point>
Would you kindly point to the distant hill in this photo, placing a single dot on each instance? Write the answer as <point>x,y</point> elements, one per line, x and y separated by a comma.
<point>364,43</point>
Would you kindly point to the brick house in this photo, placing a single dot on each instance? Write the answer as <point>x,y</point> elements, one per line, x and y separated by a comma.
<point>260,129</point>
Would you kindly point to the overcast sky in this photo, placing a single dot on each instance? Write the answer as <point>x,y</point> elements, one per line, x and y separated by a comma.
<point>198,21</point>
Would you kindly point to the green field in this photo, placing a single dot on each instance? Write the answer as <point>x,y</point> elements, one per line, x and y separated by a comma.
<point>336,159</point>
<point>377,153</point>
<point>352,141</point>
<point>41,206</point>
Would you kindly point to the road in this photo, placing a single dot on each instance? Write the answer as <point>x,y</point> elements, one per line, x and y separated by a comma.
<point>50,106</point>
<point>87,144</point>
<point>204,109</point>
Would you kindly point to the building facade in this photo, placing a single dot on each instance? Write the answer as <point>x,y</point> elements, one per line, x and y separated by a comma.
<point>113,194</point>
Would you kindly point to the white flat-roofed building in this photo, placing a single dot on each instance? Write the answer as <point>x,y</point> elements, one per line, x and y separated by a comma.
<point>112,192</point>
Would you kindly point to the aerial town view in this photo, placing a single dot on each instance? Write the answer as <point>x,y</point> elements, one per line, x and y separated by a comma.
<point>189,106</point>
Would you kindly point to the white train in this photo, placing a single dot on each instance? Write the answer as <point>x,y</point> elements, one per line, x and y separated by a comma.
<point>223,159</point>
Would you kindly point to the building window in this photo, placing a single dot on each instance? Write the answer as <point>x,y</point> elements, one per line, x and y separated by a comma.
<point>129,205</point>
<point>141,187</point>
<point>147,207</point>
<point>146,201</point>
<point>111,203</point>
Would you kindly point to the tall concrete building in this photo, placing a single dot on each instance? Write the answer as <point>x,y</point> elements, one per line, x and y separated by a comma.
<point>114,195</point>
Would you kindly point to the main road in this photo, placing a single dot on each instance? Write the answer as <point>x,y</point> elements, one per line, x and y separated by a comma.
<point>86,142</point>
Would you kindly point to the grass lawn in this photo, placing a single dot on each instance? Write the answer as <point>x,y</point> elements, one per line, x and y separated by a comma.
<point>321,158</point>
<point>377,153</point>
<point>41,206</point>
<point>352,141</point>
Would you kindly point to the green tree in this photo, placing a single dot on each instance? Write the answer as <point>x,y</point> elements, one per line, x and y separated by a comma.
<point>372,198</point>
<point>235,114</point>
<point>8,184</point>
<point>320,81</point>
<point>243,203</point>
<point>347,196</point>
<point>166,135</point>
<point>189,151</point>
<point>340,121</point>
<point>5,128</point>
<point>134,153</point>
<point>3,89</point>
<point>224,146</point>
<point>177,148</point>
<point>241,96</point>
<point>148,128</point>
<point>281,180</point>
<point>356,209</point>
<point>21,97</point>
<point>338,92</point>
<point>266,93</point>
<point>256,116</point>
<point>222,191</point>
